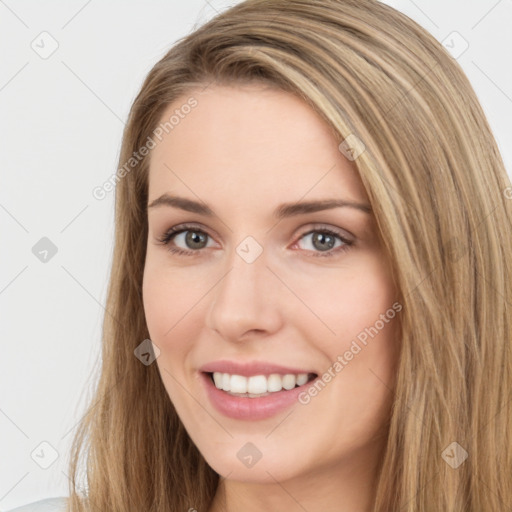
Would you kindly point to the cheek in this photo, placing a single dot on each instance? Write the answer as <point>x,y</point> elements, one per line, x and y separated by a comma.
<point>368,342</point>
<point>349,299</point>
<point>357,306</point>
<point>168,308</point>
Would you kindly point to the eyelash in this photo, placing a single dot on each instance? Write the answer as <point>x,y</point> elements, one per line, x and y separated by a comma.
<point>176,230</point>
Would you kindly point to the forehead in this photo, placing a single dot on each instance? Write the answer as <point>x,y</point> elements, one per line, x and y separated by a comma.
<point>249,141</point>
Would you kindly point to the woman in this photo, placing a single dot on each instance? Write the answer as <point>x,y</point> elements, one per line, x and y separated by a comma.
<point>349,356</point>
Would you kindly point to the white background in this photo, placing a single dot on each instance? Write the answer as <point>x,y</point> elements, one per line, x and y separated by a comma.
<point>61,121</point>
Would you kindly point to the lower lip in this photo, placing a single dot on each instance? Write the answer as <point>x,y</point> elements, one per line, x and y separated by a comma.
<point>246,408</point>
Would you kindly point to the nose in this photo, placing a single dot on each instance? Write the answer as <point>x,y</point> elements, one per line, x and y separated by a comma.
<point>246,301</point>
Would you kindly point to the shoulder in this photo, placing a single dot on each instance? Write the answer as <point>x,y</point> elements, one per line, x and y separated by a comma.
<point>47,505</point>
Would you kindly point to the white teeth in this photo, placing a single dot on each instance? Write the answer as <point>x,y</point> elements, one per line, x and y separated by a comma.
<point>237,384</point>
<point>218,379</point>
<point>257,384</point>
<point>289,381</point>
<point>274,383</point>
<point>225,382</point>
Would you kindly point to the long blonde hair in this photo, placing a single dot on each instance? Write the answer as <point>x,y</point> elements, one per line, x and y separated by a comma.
<point>438,188</point>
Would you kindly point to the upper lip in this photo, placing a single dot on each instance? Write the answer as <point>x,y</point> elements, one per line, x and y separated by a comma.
<point>250,368</point>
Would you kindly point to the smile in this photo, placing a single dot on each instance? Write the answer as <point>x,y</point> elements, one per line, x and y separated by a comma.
<point>258,385</point>
<point>243,405</point>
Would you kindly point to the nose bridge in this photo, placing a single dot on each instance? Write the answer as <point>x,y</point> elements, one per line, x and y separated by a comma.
<point>243,284</point>
<point>241,299</point>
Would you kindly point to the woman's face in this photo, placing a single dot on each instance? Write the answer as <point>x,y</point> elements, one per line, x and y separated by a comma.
<point>260,279</point>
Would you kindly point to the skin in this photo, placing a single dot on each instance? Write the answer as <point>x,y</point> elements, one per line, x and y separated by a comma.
<point>244,150</point>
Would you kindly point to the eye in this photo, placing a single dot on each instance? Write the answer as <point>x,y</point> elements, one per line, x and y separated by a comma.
<point>189,235</point>
<point>322,240</point>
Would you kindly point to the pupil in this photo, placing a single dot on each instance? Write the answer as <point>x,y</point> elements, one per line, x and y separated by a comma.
<point>195,238</point>
<point>321,238</point>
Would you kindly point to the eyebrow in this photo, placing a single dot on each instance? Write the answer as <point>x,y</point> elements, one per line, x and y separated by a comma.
<point>282,211</point>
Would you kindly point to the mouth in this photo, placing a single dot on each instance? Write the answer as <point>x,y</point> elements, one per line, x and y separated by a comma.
<point>260,385</point>
<point>245,406</point>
